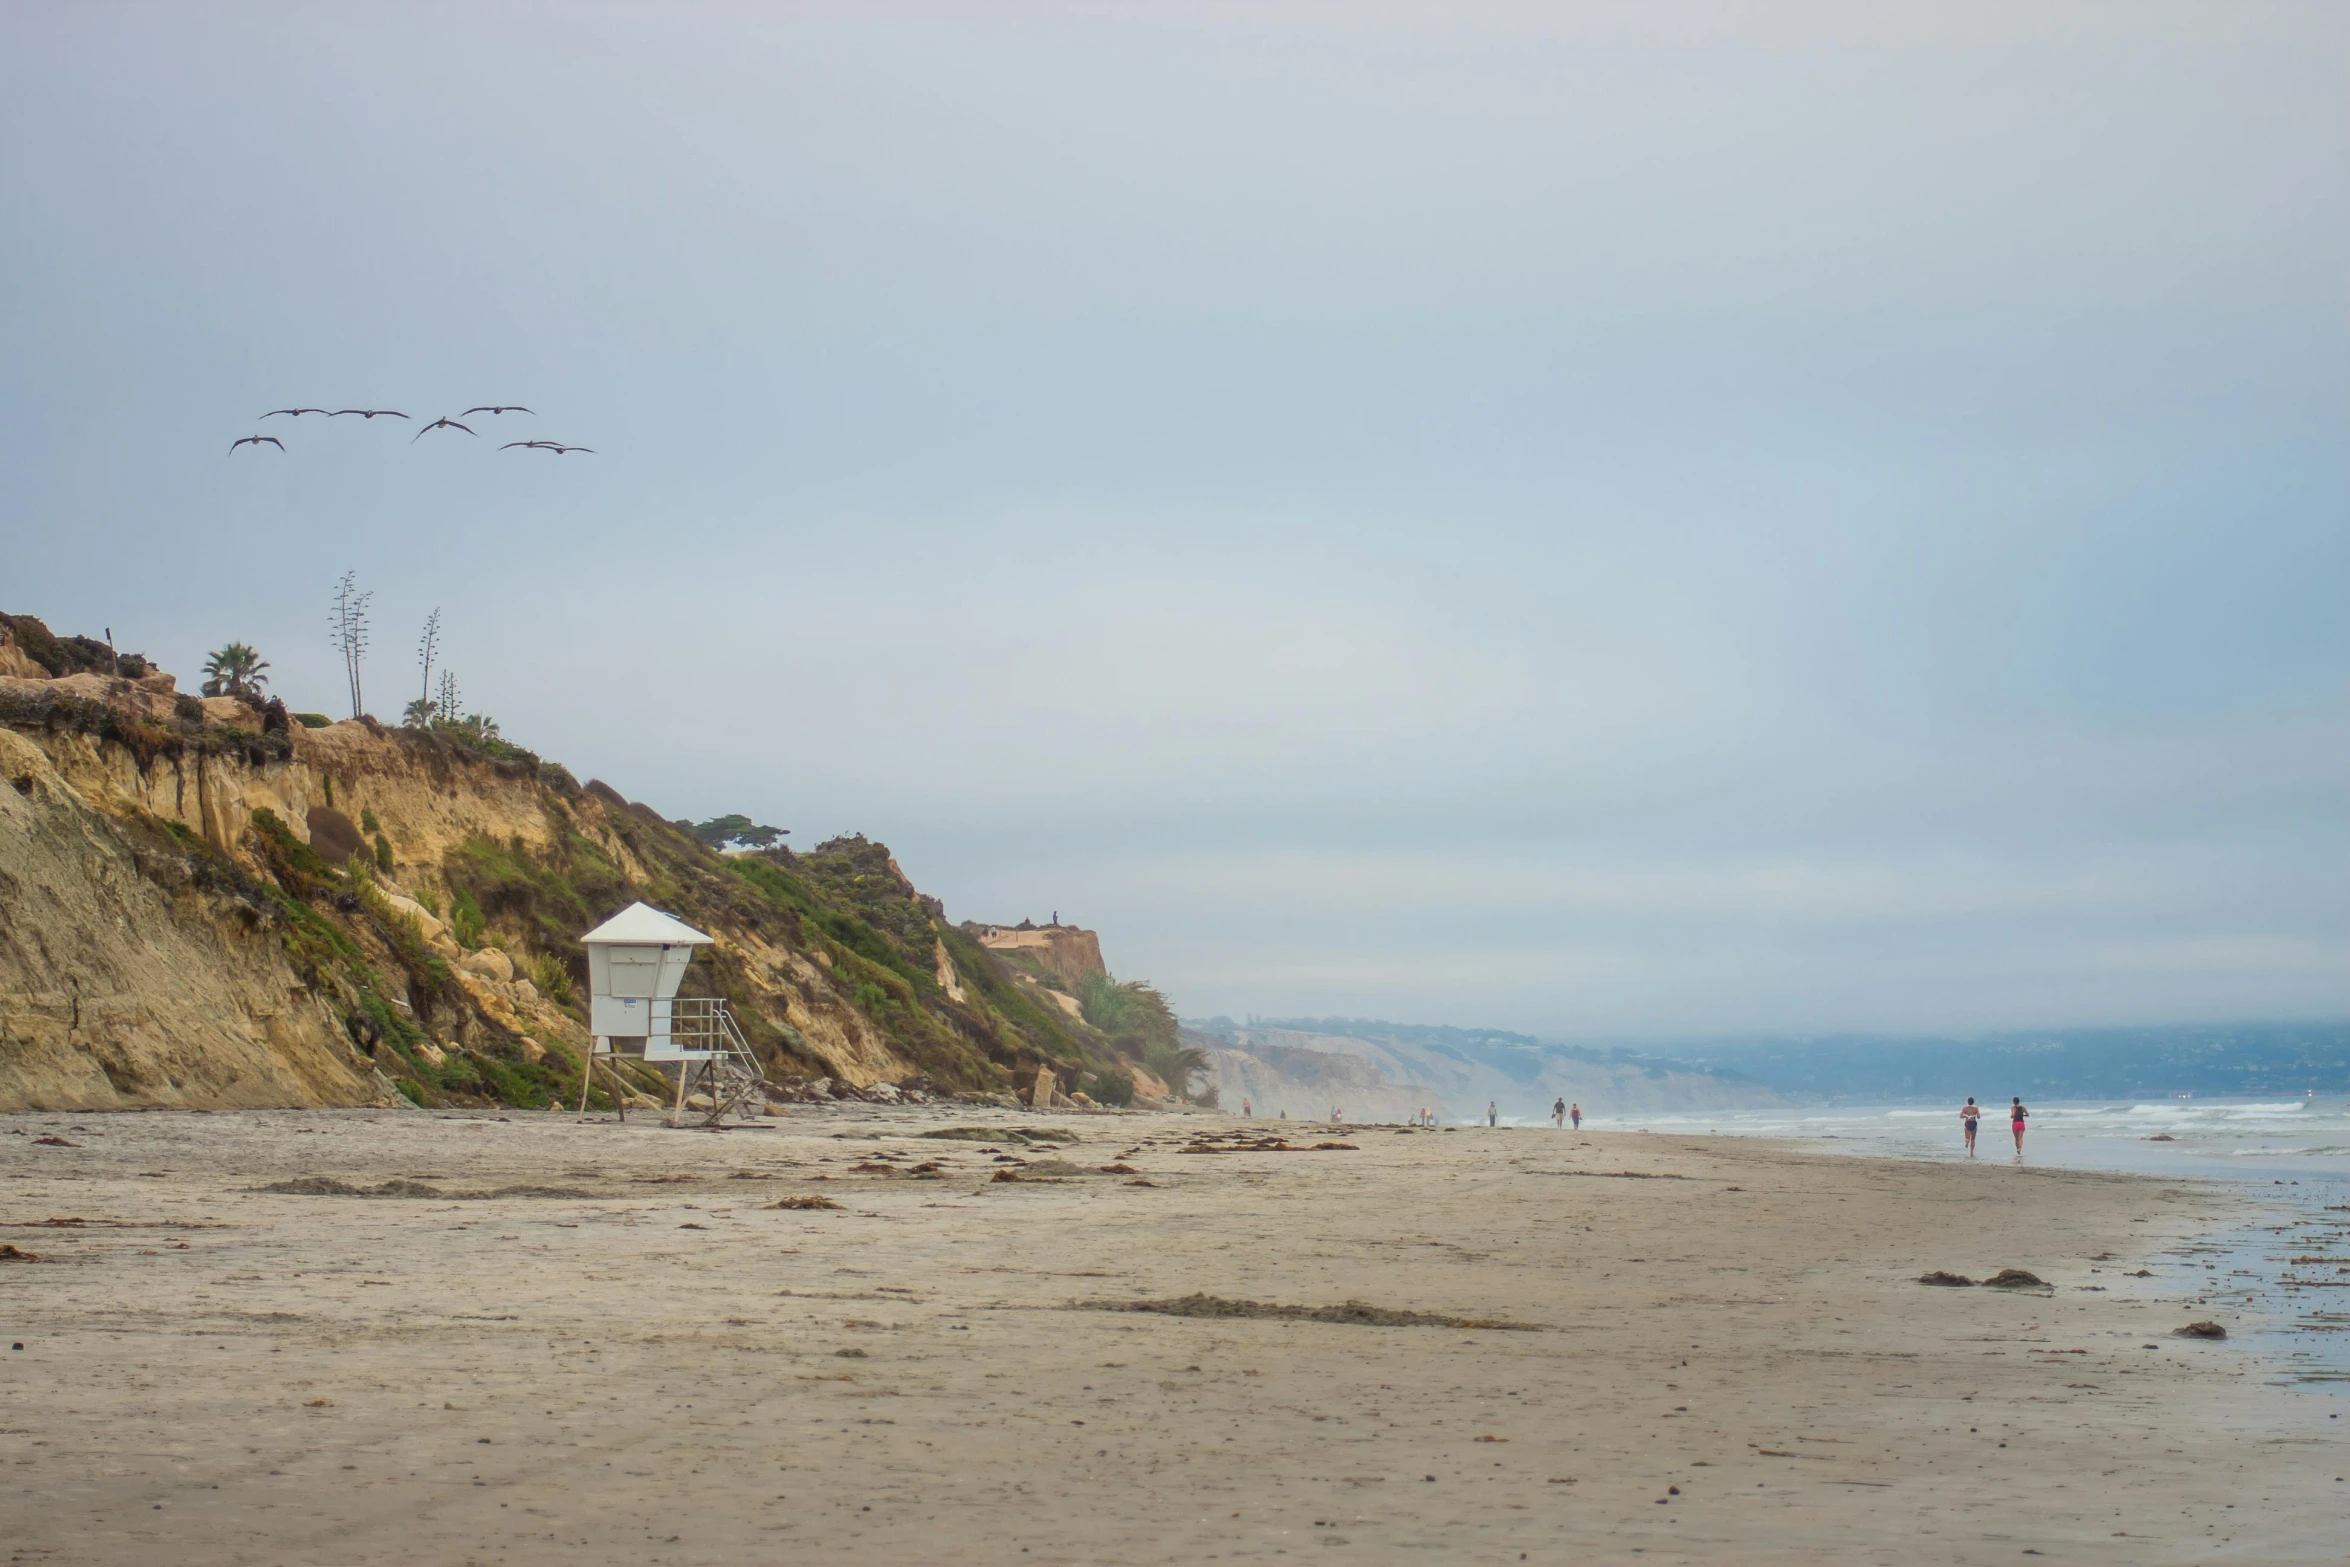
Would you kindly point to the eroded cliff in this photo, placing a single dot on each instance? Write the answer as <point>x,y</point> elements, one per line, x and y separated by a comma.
<point>202,903</point>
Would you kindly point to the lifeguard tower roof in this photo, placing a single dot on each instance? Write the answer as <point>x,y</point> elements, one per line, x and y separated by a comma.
<point>642,925</point>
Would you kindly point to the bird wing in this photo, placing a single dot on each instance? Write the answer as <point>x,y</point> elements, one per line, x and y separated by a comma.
<point>361,412</point>
<point>510,445</point>
<point>591,451</point>
<point>392,412</point>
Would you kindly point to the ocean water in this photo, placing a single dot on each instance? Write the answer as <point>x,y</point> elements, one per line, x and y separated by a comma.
<point>2282,1280</point>
<point>2239,1140</point>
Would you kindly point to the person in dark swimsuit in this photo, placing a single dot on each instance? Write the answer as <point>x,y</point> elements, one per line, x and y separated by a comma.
<point>2016,1115</point>
<point>1970,1113</point>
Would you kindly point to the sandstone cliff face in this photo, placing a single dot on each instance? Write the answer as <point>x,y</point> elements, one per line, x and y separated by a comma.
<point>118,988</point>
<point>1064,954</point>
<point>196,912</point>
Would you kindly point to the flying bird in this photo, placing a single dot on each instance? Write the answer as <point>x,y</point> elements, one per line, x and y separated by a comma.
<point>557,447</point>
<point>296,412</point>
<point>258,440</point>
<point>368,413</point>
<point>438,424</point>
<point>502,408</point>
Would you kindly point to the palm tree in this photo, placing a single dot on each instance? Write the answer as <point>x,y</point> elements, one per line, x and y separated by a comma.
<point>235,670</point>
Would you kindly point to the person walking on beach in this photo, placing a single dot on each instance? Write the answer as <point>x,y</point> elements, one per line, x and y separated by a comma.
<point>1968,1114</point>
<point>1247,1109</point>
<point>1558,1114</point>
<point>1575,1114</point>
<point>1492,1113</point>
<point>2016,1116</point>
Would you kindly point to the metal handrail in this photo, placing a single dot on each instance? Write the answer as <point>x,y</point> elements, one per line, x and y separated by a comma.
<point>731,1071</point>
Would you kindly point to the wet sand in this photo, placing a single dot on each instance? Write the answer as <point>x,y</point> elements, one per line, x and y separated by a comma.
<point>663,1368</point>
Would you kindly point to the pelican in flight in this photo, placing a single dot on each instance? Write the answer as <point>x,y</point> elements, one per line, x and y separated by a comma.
<point>438,424</point>
<point>557,447</point>
<point>498,408</point>
<point>296,412</point>
<point>258,440</point>
<point>368,413</point>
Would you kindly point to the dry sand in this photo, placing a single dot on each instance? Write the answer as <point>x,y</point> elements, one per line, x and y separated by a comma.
<point>668,1370</point>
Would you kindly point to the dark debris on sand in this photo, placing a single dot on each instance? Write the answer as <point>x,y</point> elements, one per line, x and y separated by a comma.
<point>2015,1279</point>
<point>1354,1313</point>
<point>999,1134</point>
<point>327,1186</point>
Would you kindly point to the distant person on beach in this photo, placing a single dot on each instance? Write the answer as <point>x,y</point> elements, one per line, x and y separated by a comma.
<point>1575,1114</point>
<point>1248,1109</point>
<point>1968,1114</point>
<point>2016,1116</point>
<point>1558,1114</point>
<point>1492,1113</point>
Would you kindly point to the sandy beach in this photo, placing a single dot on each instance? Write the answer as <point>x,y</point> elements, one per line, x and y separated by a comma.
<point>1685,1349</point>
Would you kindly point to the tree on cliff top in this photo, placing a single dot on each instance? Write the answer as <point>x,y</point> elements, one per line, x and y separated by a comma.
<point>234,669</point>
<point>734,827</point>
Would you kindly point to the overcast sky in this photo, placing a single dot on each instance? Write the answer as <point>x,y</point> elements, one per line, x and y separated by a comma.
<point>1614,521</point>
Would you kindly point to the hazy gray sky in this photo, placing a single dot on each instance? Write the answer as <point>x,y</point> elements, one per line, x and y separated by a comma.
<point>1614,520</point>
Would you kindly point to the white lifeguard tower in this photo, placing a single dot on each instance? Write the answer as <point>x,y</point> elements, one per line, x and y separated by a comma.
<point>636,960</point>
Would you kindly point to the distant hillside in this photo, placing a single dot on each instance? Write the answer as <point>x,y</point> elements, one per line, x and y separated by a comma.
<point>1384,1071</point>
<point>2257,1060</point>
